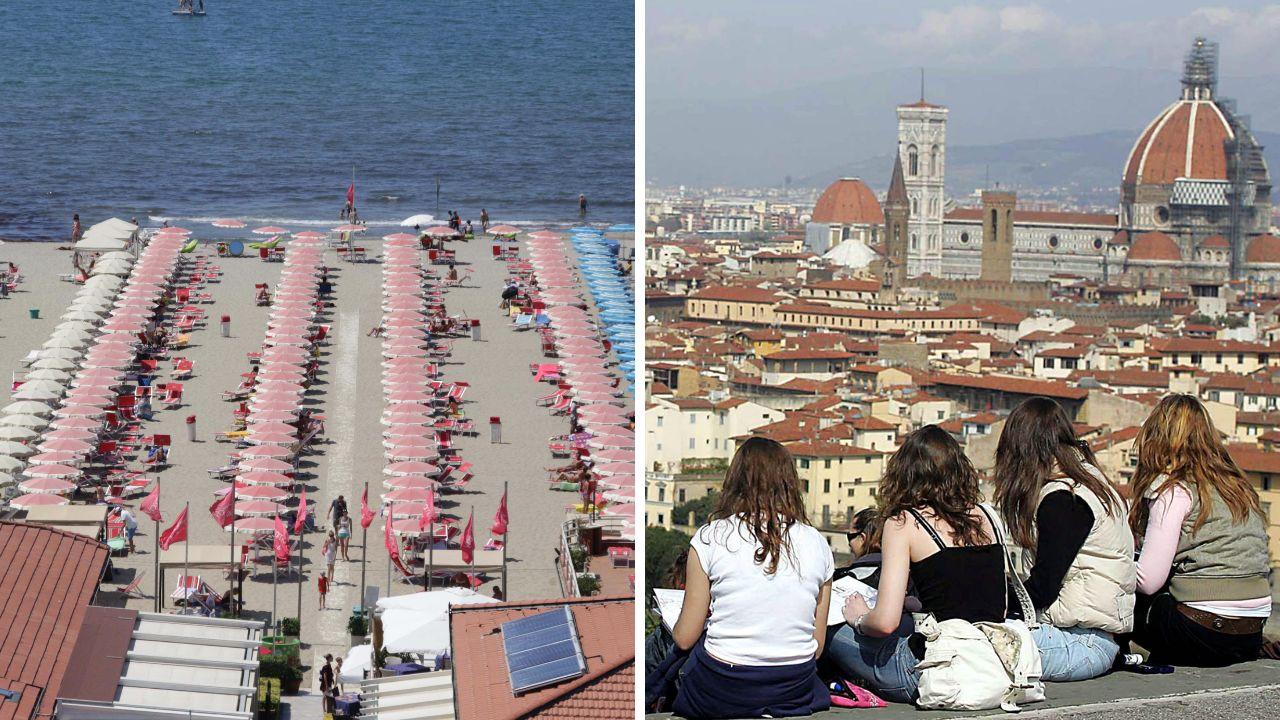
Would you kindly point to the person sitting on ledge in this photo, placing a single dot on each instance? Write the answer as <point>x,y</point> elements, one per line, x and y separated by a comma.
<point>1072,527</point>
<point>936,535</point>
<point>767,572</point>
<point>1203,594</point>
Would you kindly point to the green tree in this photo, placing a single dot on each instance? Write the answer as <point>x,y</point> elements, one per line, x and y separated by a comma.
<point>661,548</point>
<point>700,507</point>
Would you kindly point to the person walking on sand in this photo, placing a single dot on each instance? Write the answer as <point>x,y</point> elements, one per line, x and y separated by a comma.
<point>330,552</point>
<point>322,586</point>
<point>337,675</point>
<point>344,535</point>
<point>130,526</point>
<point>337,508</point>
<point>582,205</point>
<point>484,220</point>
<point>326,681</point>
<point>76,230</point>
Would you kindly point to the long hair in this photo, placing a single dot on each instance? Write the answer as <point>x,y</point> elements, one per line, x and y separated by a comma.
<point>1179,442</point>
<point>1037,444</point>
<point>763,490</point>
<point>931,471</point>
<point>866,522</point>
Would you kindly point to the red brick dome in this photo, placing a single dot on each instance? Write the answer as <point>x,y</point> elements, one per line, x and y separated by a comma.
<point>1263,249</point>
<point>1155,246</point>
<point>848,201</point>
<point>1183,141</point>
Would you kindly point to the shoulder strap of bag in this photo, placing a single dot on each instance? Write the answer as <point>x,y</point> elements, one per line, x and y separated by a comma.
<point>1010,574</point>
<point>927,528</point>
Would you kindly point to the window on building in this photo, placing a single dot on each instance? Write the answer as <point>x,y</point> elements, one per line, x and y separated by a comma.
<point>935,161</point>
<point>662,494</point>
<point>1049,363</point>
<point>826,485</point>
<point>804,463</point>
<point>826,464</point>
<point>660,522</point>
<point>693,419</point>
<point>659,421</point>
<point>692,444</point>
<point>913,161</point>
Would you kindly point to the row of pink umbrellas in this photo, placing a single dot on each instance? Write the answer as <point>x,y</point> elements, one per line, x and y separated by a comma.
<point>593,386</point>
<point>73,432</point>
<point>409,383</point>
<point>265,468</point>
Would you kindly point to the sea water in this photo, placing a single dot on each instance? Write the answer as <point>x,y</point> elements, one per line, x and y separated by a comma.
<point>260,111</point>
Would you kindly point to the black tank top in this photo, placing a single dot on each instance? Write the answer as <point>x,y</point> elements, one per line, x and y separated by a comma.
<point>961,582</point>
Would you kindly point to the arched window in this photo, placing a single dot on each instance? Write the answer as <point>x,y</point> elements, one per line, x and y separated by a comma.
<point>915,241</point>
<point>995,225</point>
<point>913,161</point>
<point>935,161</point>
<point>915,206</point>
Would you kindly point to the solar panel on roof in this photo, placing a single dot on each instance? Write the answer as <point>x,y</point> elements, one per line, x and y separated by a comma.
<point>542,650</point>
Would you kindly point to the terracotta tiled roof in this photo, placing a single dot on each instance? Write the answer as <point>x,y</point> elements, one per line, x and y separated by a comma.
<point>1019,386</point>
<point>1255,460</point>
<point>847,285</point>
<point>737,294</point>
<point>48,580</point>
<point>848,201</point>
<point>1155,245</point>
<point>482,688</point>
<point>1183,141</point>
<point>1215,241</point>
<point>1263,249</point>
<point>829,449</point>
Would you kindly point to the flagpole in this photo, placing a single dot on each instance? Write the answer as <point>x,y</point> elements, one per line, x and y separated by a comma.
<point>364,546</point>
<point>302,543</point>
<point>391,514</point>
<point>431,553</point>
<point>506,540</point>
<point>186,557</point>
<point>235,606</point>
<point>472,523</point>
<point>156,579</point>
<point>275,574</point>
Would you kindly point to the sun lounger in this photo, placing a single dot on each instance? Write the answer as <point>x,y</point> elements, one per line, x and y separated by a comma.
<point>134,588</point>
<point>182,368</point>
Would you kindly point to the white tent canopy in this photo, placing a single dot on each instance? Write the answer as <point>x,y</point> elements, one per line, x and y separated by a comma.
<point>419,622</point>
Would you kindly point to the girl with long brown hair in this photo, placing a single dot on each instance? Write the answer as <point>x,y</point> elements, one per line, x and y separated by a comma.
<point>937,535</point>
<point>1077,549</point>
<point>1203,593</point>
<point>766,573</point>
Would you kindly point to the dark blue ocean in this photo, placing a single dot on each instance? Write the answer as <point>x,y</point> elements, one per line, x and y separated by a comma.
<point>261,109</point>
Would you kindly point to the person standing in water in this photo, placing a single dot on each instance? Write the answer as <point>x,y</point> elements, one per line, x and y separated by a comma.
<point>582,205</point>
<point>76,230</point>
<point>484,220</point>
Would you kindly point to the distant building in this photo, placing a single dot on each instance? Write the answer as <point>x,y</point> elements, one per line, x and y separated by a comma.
<point>922,150</point>
<point>847,211</point>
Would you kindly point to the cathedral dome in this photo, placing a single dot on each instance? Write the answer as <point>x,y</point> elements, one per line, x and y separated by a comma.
<point>848,201</point>
<point>1264,249</point>
<point>1184,141</point>
<point>1154,246</point>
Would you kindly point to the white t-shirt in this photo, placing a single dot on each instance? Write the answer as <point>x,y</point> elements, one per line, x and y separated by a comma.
<point>760,619</point>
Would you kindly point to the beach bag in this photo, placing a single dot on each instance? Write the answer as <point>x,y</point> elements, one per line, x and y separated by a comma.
<point>985,665</point>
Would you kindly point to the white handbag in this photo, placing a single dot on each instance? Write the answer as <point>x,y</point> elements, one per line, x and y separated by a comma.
<point>985,665</point>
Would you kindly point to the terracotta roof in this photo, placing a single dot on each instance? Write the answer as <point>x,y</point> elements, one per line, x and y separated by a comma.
<point>922,105</point>
<point>1208,345</point>
<point>1263,249</point>
<point>1107,221</point>
<point>1252,459</point>
<point>482,688</point>
<point>848,285</point>
<point>829,449</point>
<point>1183,141</point>
<point>848,201</point>
<point>1017,386</point>
<point>809,354</point>
<point>1215,241</point>
<point>1155,245</point>
<point>47,580</point>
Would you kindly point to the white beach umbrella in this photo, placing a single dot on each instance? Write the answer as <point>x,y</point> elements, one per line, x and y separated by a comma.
<point>16,449</point>
<point>79,327</point>
<point>61,353</point>
<point>13,432</point>
<point>27,407</point>
<point>53,363</point>
<point>84,314</point>
<point>26,421</point>
<point>6,480</point>
<point>423,220</point>
<point>66,341</point>
<point>10,464</point>
<point>111,267</point>
<point>117,255</point>
<point>99,281</point>
<point>35,391</point>
<point>48,374</point>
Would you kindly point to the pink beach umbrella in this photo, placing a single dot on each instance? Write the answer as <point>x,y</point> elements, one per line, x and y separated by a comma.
<point>262,477</point>
<point>266,465</point>
<point>309,235</point>
<point>440,231</point>
<point>47,486</point>
<point>272,438</point>
<point>84,411</point>
<point>410,467</point>
<point>257,507</point>
<point>228,223</point>
<point>620,469</point>
<point>55,457</point>
<point>399,237</point>
<point>410,482</point>
<point>406,495</point>
<point>256,492</point>
<point>412,453</point>
<point>266,451</point>
<point>349,229</point>
<point>71,434</point>
<point>410,509</point>
<point>77,423</point>
<point>270,230</point>
<point>25,502</point>
<point>627,456</point>
<point>253,525</point>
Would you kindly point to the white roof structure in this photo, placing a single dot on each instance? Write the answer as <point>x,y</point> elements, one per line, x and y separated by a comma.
<point>182,666</point>
<point>108,235</point>
<point>421,696</point>
<point>851,254</point>
<point>419,622</point>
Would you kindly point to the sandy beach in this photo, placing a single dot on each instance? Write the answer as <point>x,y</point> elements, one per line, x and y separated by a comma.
<point>348,394</point>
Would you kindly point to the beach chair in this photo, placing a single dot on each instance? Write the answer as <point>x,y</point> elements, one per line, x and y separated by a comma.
<point>552,399</point>
<point>522,322</point>
<point>172,395</point>
<point>116,541</point>
<point>134,588</point>
<point>225,472</point>
<point>493,544</point>
<point>188,586</point>
<point>182,369</point>
<point>561,406</point>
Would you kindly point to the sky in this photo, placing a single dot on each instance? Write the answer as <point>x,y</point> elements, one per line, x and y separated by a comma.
<point>747,91</point>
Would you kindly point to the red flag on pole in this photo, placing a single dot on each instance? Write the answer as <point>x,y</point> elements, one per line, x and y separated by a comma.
<point>151,504</point>
<point>281,540</point>
<point>302,512</point>
<point>468,543</point>
<point>177,532</point>
<point>366,515</point>
<point>428,515</point>
<point>223,510</point>
<point>351,192</point>
<point>393,548</point>
<point>500,518</point>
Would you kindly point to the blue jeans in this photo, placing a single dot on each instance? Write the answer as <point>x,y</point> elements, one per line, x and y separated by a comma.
<point>1076,653</point>
<point>885,665</point>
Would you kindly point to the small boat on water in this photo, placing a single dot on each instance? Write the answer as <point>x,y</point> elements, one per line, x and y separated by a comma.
<point>190,8</point>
